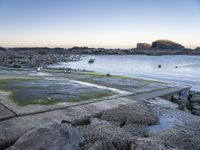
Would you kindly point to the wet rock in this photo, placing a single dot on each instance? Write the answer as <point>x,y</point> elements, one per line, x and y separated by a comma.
<point>143,46</point>
<point>137,113</point>
<point>195,106</point>
<point>195,98</point>
<point>196,112</point>
<point>166,44</point>
<point>91,61</point>
<point>2,49</point>
<point>105,135</point>
<point>145,144</point>
<point>198,48</point>
<point>108,75</point>
<point>182,102</point>
<point>52,137</point>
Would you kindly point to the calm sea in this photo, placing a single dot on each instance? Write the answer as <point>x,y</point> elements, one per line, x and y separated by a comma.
<point>179,69</point>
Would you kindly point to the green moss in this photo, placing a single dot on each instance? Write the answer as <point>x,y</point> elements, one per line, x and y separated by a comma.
<point>33,102</point>
<point>24,95</point>
<point>166,42</point>
<point>96,74</point>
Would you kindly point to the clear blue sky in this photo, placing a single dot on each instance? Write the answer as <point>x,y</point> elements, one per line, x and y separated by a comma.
<point>98,23</point>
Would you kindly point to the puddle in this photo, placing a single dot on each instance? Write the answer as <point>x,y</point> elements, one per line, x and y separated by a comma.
<point>165,124</point>
<point>169,115</point>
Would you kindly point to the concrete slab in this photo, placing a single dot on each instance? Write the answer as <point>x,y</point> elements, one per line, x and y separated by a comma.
<point>5,113</point>
<point>133,85</point>
<point>29,96</point>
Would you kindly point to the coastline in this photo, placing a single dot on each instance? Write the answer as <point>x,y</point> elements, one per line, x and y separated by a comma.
<point>93,116</point>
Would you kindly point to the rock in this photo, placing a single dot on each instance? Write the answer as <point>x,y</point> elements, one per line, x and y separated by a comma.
<point>5,113</point>
<point>91,61</point>
<point>105,135</point>
<point>198,48</point>
<point>137,113</point>
<point>143,46</point>
<point>2,49</point>
<point>195,106</point>
<point>145,144</point>
<point>196,112</point>
<point>159,66</point>
<point>195,98</point>
<point>182,102</point>
<point>100,145</point>
<point>166,44</point>
<point>108,75</point>
<point>53,137</point>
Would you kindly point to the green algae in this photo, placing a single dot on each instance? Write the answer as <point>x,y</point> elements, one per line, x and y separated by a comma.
<point>23,95</point>
<point>101,75</point>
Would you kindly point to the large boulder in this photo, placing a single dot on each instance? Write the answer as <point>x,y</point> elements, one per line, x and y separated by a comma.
<point>143,46</point>
<point>52,137</point>
<point>105,136</point>
<point>137,113</point>
<point>166,44</point>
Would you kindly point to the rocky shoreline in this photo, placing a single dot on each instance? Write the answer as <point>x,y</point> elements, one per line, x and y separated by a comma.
<point>144,115</point>
<point>43,56</point>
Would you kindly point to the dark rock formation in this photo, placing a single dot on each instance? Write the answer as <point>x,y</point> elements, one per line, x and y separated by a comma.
<point>143,115</point>
<point>142,46</point>
<point>166,44</point>
<point>57,136</point>
<point>198,48</point>
<point>32,57</point>
<point>2,49</point>
<point>105,136</point>
<point>99,51</point>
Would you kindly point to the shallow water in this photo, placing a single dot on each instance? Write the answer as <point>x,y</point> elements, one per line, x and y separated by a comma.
<point>179,69</point>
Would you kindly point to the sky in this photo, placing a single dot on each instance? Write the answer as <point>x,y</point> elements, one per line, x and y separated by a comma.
<point>98,23</point>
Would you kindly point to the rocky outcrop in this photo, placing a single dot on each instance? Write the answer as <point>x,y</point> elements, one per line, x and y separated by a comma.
<point>143,115</point>
<point>2,49</point>
<point>142,46</point>
<point>195,103</point>
<point>32,57</point>
<point>56,136</point>
<point>198,48</point>
<point>105,135</point>
<point>166,44</point>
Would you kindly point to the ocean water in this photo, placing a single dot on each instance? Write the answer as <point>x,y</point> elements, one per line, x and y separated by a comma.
<point>178,69</point>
